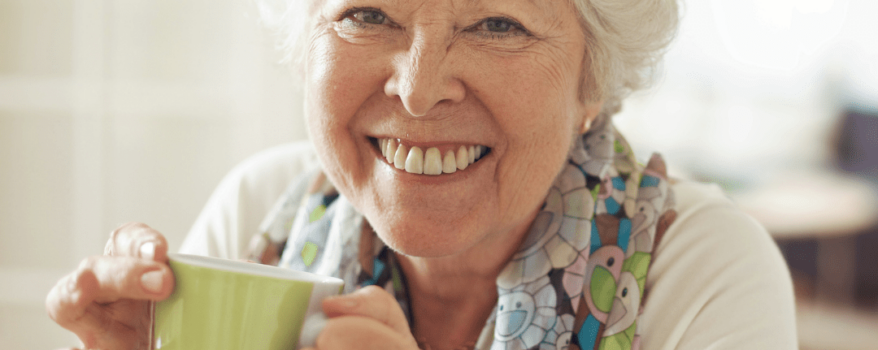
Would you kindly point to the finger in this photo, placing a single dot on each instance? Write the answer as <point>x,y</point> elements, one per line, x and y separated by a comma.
<point>105,279</point>
<point>99,328</point>
<point>137,239</point>
<point>359,332</point>
<point>372,302</point>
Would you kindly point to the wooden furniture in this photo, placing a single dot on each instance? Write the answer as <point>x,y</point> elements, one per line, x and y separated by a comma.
<point>830,207</point>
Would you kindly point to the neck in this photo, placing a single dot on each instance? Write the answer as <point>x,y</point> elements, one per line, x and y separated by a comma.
<point>466,281</point>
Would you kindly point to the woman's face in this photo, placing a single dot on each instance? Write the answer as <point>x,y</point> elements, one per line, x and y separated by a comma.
<point>445,75</point>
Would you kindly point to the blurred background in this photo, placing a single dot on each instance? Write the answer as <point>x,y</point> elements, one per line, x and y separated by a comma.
<point>133,110</point>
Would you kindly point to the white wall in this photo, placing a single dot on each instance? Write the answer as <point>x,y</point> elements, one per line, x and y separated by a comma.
<point>116,111</point>
<point>757,85</point>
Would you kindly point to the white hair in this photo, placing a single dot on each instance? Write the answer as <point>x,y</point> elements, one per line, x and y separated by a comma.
<point>625,41</point>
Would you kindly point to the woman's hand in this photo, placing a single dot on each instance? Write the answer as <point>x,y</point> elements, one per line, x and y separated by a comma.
<point>105,302</point>
<point>369,318</point>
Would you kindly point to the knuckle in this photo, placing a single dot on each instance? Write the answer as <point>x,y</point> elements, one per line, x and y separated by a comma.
<point>69,294</point>
<point>84,277</point>
<point>372,291</point>
<point>379,303</point>
<point>129,237</point>
<point>379,294</point>
<point>86,263</point>
<point>132,225</point>
<point>54,305</point>
<point>125,228</point>
<point>115,233</point>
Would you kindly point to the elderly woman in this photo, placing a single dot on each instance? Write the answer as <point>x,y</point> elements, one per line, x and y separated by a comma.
<point>467,183</point>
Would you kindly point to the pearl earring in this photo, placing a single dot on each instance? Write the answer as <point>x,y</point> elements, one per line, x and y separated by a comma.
<point>586,126</point>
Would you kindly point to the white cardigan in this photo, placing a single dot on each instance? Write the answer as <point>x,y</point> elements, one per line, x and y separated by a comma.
<point>718,280</point>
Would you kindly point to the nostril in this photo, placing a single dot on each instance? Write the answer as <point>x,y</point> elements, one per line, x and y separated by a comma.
<point>416,108</point>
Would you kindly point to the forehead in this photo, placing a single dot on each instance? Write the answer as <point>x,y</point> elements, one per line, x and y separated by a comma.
<point>541,4</point>
<point>544,7</point>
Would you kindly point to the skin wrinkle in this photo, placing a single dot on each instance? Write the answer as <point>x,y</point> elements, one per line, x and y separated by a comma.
<point>623,65</point>
<point>425,82</point>
<point>553,79</point>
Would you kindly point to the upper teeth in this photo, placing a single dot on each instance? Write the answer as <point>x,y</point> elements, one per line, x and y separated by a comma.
<point>414,160</point>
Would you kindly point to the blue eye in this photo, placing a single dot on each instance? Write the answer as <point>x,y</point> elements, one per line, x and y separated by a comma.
<point>371,17</point>
<point>365,16</point>
<point>498,25</point>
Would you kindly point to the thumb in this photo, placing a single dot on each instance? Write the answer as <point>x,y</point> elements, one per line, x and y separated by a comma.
<point>372,302</point>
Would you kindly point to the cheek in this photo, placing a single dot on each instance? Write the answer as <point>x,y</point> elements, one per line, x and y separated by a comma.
<point>535,106</point>
<point>338,82</point>
<point>533,101</point>
<point>532,95</point>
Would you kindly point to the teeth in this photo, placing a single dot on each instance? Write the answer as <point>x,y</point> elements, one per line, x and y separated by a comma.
<point>399,158</point>
<point>462,158</point>
<point>414,163</point>
<point>449,165</point>
<point>432,162</point>
<point>390,150</point>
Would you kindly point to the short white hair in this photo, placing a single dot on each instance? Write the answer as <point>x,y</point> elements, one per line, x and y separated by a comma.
<point>625,41</point>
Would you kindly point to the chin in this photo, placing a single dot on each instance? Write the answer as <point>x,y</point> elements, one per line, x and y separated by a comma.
<point>425,239</point>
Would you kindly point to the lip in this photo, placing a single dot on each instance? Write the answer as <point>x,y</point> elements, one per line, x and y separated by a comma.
<point>423,145</point>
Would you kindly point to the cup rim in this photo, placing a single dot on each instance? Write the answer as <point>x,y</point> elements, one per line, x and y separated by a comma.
<point>254,269</point>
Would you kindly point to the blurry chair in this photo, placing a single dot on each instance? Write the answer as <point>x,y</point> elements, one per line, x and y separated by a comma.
<point>856,144</point>
<point>856,153</point>
<point>832,207</point>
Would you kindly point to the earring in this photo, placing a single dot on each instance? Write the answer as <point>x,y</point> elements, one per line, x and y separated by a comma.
<point>586,126</point>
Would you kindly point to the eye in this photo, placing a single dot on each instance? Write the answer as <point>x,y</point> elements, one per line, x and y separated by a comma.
<point>500,27</point>
<point>366,16</point>
<point>497,25</point>
<point>371,17</point>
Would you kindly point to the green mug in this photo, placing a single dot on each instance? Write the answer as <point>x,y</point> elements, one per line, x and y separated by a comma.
<point>222,304</point>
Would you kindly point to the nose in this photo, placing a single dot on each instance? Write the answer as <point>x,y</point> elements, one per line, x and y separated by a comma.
<point>423,76</point>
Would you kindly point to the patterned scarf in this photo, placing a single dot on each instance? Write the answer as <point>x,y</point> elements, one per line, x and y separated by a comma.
<point>576,282</point>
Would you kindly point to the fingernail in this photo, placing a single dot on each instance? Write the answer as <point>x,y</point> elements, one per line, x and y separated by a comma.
<point>152,281</point>
<point>147,250</point>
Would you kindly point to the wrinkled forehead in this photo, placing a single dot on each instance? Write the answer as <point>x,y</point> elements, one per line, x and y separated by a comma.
<point>541,7</point>
<point>545,6</point>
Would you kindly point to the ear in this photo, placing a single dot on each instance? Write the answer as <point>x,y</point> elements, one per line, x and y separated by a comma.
<point>590,112</point>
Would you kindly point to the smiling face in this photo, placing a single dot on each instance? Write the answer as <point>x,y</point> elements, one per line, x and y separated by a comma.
<point>450,78</point>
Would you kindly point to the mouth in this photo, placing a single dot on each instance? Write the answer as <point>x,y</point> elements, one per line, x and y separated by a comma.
<point>432,160</point>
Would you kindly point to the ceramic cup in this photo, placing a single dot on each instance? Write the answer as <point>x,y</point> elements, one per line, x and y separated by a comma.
<point>230,305</point>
